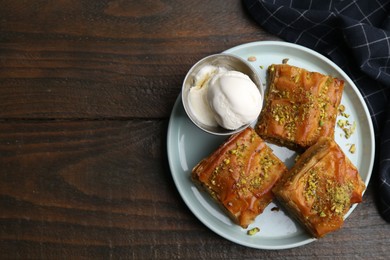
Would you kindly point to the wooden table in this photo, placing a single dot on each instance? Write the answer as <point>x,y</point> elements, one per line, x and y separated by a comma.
<point>86,91</point>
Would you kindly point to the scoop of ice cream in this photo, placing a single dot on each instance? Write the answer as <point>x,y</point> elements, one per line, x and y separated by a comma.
<point>234,98</point>
<point>197,97</point>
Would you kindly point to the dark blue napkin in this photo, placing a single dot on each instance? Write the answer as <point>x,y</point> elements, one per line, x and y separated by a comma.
<point>356,36</point>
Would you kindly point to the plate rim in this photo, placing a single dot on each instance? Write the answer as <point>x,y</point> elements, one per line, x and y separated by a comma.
<point>277,44</point>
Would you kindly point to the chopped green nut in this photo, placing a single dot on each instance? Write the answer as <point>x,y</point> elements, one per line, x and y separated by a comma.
<point>352,149</point>
<point>253,231</point>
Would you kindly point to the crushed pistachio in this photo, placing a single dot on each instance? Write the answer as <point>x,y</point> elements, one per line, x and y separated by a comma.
<point>307,106</point>
<point>214,175</point>
<point>329,80</point>
<point>253,231</point>
<point>323,103</point>
<point>352,149</point>
<point>341,122</point>
<point>335,202</point>
<point>311,185</point>
<point>347,127</point>
<point>341,108</point>
<point>265,164</point>
<point>308,75</point>
<point>339,205</point>
<point>253,138</point>
<point>344,114</point>
<point>234,151</point>
<point>339,197</point>
<point>287,116</point>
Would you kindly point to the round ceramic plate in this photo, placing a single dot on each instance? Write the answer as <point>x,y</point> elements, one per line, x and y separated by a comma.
<point>187,145</point>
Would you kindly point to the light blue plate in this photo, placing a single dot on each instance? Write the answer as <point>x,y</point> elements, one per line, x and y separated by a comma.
<point>187,145</point>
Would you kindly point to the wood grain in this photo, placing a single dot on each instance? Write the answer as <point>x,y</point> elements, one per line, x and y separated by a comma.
<point>112,59</point>
<point>86,90</point>
<point>103,189</point>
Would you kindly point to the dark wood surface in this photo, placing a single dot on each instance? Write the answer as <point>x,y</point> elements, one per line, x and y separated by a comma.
<point>86,91</point>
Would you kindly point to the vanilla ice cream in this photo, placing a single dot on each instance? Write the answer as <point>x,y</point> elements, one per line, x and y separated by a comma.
<point>197,97</point>
<point>222,97</point>
<point>234,98</point>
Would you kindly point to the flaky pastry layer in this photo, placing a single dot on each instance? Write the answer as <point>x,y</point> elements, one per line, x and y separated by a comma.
<point>300,106</point>
<point>320,188</point>
<point>239,175</point>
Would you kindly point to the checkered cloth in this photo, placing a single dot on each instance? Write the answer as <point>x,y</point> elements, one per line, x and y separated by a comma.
<point>355,34</point>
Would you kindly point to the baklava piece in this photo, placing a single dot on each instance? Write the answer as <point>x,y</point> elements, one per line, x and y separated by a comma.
<point>240,175</point>
<point>320,188</point>
<point>300,107</point>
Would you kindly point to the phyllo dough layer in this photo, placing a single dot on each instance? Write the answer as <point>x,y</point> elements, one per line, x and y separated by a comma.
<point>240,175</point>
<point>300,106</point>
<point>320,188</point>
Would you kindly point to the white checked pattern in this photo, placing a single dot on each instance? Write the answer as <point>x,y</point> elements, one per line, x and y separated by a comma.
<point>355,34</point>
